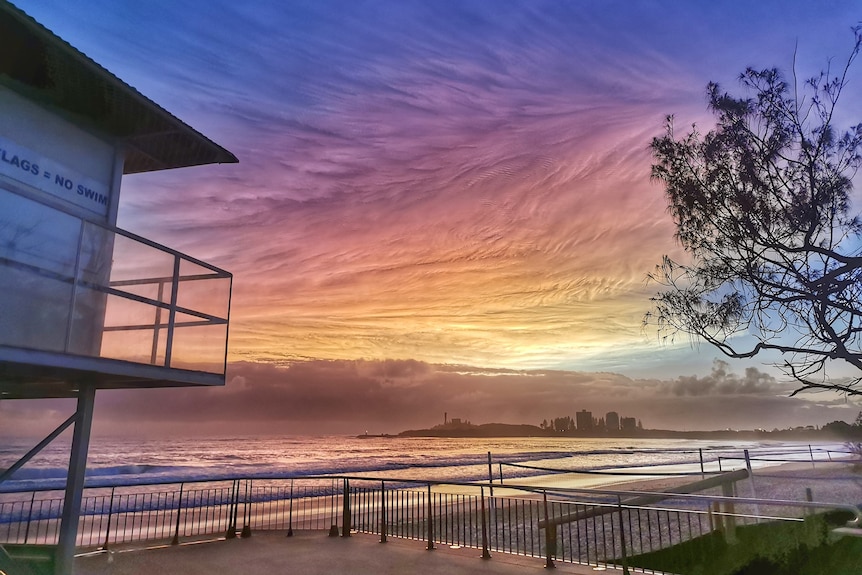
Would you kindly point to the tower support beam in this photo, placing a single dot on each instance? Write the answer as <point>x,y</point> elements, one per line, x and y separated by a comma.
<point>65,553</point>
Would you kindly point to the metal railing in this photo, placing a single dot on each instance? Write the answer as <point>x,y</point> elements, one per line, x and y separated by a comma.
<point>106,293</point>
<point>590,526</point>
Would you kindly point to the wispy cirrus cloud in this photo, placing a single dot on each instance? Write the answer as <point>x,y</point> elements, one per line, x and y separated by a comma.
<point>455,182</point>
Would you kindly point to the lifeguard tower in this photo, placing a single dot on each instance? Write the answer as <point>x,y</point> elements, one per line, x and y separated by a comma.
<point>85,305</point>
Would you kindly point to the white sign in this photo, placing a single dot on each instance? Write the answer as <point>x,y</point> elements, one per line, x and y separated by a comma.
<point>28,167</point>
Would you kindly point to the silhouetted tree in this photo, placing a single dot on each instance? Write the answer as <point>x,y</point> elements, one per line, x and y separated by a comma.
<point>562,424</point>
<point>762,207</point>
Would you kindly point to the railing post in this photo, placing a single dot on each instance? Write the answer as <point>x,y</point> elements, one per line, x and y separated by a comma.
<point>172,312</point>
<point>700,451</point>
<point>230,532</point>
<point>490,475</point>
<point>729,510</point>
<point>345,509</point>
<point>751,480</point>
<point>110,512</point>
<point>383,512</point>
<point>430,519</point>
<point>29,517</point>
<point>290,512</point>
<point>501,474</point>
<point>246,511</point>
<point>811,453</point>
<point>70,515</point>
<point>154,352</point>
<point>333,527</point>
<point>176,539</point>
<point>622,537</point>
<point>485,553</point>
<point>550,535</point>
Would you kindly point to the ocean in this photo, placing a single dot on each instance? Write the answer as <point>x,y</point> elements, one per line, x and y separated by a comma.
<point>132,462</point>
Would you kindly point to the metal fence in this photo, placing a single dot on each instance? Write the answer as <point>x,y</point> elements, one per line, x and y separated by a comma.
<point>573,525</point>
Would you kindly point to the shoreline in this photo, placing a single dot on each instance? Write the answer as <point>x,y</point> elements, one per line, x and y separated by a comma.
<point>510,431</point>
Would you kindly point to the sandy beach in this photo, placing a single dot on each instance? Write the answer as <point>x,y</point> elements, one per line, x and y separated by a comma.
<point>835,482</point>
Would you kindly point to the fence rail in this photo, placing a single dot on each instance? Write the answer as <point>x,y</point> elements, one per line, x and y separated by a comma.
<point>590,526</point>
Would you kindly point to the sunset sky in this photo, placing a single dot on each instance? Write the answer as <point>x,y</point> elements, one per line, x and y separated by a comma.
<point>442,205</point>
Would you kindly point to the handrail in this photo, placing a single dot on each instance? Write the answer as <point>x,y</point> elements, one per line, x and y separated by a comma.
<point>132,236</point>
<point>611,471</point>
<point>856,522</point>
<point>95,484</point>
<point>695,497</point>
<point>524,519</point>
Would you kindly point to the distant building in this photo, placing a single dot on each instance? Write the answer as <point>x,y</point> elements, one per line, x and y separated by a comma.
<point>584,420</point>
<point>628,424</point>
<point>612,421</point>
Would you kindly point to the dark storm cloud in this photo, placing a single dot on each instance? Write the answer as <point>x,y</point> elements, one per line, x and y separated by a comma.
<point>325,397</point>
<point>390,396</point>
<point>721,381</point>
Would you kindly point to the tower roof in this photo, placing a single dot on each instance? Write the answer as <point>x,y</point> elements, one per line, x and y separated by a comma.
<point>41,66</point>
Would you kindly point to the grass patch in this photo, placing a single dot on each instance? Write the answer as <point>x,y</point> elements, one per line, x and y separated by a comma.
<point>775,548</point>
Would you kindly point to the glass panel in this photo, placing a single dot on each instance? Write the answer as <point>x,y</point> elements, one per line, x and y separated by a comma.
<point>97,246</point>
<point>38,236</point>
<point>123,312</point>
<point>87,321</point>
<point>45,297</point>
<point>130,328</point>
<point>134,260</point>
<point>133,346</point>
<point>157,291</point>
<point>199,348</point>
<point>39,247</point>
<point>161,346</point>
<point>94,268</point>
<point>34,310</point>
<point>209,296</point>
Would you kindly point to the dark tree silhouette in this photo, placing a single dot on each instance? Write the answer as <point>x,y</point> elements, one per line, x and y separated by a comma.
<point>762,205</point>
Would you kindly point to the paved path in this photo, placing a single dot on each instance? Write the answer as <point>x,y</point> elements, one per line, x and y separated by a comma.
<point>313,553</point>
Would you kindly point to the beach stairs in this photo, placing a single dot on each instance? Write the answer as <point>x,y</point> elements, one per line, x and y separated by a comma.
<point>27,559</point>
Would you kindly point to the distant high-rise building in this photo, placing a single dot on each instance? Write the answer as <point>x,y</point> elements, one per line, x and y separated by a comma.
<point>628,424</point>
<point>612,421</point>
<point>584,420</point>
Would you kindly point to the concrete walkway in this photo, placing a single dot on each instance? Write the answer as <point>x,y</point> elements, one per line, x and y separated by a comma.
<point>313,553</point>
